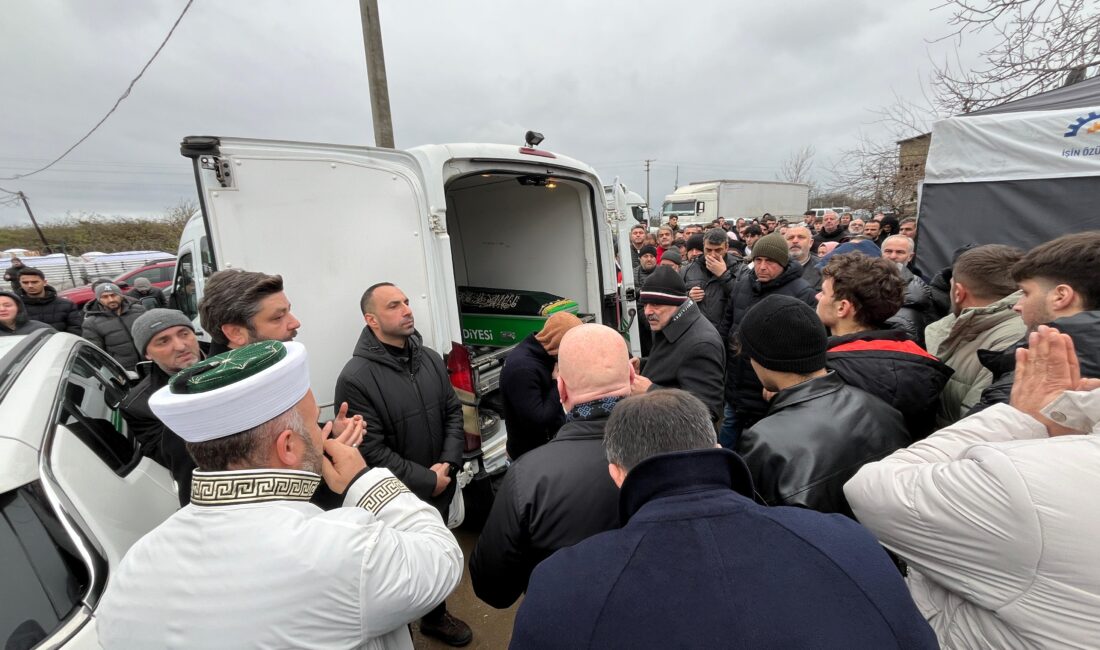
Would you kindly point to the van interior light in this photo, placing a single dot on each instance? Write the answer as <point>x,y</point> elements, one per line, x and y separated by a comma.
<point>551,184</point>
<point>486,175</point>
<point>533,180</point>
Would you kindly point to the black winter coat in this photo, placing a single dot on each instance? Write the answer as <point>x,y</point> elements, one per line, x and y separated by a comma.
<point>743,389</point>
<point>814,438</point>
<point>153,299</point>
<point>111,332</point>
<point>811,274</point>
<point>532,407</point>
<point>156,440</point>
<point>1083,328</point>
<point>697,565</point>
<point>555,496</point>
<point>716,289</point>
<point>917,309</point>
<point>839,235</point>
<point>59,313</point>
<point>890,366</point>
<point>688,354</point>
<point>413,418</point>
<point>22,325</point>
<point>11,276</point>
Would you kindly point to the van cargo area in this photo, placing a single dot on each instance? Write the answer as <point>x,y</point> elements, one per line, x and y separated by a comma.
<point>525,233</point>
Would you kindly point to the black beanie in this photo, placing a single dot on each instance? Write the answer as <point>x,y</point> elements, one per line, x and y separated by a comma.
<point>695,242</point>
<point>648,249</point>
<point>663,287</point>
<point>783,334</point>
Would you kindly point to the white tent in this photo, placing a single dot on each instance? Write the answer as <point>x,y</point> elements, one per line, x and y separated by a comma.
<point>1021,173</point>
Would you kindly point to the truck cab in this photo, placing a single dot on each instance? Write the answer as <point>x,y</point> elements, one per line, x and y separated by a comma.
<point>442,222</point>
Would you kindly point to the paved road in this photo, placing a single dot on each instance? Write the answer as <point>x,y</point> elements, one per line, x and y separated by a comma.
<point>492,627</point>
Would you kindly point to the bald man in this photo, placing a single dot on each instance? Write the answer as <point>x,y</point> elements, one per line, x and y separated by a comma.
<point>560,493</point>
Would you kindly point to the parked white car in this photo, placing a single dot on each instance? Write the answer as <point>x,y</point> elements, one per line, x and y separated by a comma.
<point>75,493</point>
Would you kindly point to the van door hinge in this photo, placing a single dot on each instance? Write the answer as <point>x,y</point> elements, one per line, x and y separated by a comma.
<point>437,221</point>
<point>220,167</point>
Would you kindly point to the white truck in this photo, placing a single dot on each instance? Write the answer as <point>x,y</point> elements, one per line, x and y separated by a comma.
<point>705,201</point>
<point>333,219</point>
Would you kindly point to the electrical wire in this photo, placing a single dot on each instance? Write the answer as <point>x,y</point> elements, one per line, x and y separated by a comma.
<point>110,112</point>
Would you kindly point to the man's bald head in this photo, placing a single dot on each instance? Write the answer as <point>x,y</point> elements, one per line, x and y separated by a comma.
<point>592,363</point>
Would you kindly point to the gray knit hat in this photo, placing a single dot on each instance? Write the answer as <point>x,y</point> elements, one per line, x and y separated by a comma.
<point>154,322</point>
<point>107,287</point>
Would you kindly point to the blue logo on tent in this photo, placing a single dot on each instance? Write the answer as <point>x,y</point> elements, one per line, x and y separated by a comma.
<point>1075,128</point>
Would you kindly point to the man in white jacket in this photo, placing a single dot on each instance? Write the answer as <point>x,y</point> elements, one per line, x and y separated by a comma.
<point>250,562</point>
<point>998,514</point>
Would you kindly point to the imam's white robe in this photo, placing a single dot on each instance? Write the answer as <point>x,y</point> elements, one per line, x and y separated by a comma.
<point>250,563</point>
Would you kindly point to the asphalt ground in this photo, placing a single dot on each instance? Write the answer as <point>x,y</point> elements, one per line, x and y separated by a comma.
<point>492,627</point>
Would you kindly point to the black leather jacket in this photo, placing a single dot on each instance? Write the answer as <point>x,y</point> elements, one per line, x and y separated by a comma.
<point>814,438</point>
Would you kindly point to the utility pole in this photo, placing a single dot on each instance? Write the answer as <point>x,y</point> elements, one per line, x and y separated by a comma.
<point>376,74</point>
<point>677,183</point>
<point>647,203</point>
<point>23,197</point>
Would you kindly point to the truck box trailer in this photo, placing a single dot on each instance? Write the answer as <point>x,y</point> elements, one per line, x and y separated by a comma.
<point>705,201</point>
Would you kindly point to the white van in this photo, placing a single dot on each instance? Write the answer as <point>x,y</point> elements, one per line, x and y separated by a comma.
<point>334,219</point>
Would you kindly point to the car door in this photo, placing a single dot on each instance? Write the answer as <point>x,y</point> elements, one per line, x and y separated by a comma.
<point>619,212</point>
<point>332,221</point>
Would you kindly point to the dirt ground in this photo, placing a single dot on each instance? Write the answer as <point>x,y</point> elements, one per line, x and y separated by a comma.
<point>492,627</point>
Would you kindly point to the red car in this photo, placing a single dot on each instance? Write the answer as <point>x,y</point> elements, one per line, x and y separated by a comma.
<point>160,274</point>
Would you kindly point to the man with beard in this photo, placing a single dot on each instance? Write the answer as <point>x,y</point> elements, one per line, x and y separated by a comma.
<point>637,241</point>
<point>687,351</point>
<point>665,237</point>
<point>711,274</point>
<point>44,305</point>
<point>413,417</point>
<point>167,338</point>
<point>856,227</point>
<point>800,244</point>
<point>872,230</point>
<point>1059,287</point>
<point>107,324</point>
<point>242,307</point>
<point>250,563</point>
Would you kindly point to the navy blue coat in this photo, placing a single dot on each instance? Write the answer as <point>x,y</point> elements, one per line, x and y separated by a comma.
<point>697,565</point>
<point>532,408</point>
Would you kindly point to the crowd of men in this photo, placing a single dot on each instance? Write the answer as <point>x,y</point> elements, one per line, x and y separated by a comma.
<point>820,446</point>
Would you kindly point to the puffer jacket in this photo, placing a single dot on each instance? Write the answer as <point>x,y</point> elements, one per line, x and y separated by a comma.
<point>1083,328</point>
<point>890,366</point>
<point>156,440</point>
<point>412,415</point>
<point>814,438</point>
<point>743,389</point>
<point>111,332</point>
<point>716,289</point>
<point>997,522</point>
<point>22,325</point>
<point>59,313</point>
<point>917,310</point>
<point>955,340</point>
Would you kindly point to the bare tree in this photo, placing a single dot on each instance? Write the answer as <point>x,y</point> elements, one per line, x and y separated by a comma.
<point>180,212</point>
<point>797,166</point>
<point>1040,45</point>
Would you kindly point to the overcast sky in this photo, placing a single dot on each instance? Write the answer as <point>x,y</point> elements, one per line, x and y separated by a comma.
<point>720,88</point>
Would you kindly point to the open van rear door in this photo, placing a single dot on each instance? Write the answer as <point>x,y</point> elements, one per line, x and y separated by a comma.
<point>332,220</point>
<point>619,213</point>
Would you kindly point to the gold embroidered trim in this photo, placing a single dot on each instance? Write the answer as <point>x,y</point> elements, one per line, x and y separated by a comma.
<point>381,493</point>
<point>232,488</point>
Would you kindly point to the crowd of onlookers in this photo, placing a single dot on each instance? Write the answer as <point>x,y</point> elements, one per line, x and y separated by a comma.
<point>936,435</point>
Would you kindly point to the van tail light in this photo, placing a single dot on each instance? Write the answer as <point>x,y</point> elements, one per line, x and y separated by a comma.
<point>458,367</point>
<point>462,379</point>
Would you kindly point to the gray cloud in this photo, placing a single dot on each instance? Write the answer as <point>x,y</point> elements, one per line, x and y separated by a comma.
<point>723,89</point>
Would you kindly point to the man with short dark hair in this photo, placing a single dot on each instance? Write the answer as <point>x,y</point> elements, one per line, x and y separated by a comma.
<point>859,294</point>
<point>413,417</point>
<point>44,305</point>
<point>753,233</point>
<point>772,272</point>
<point>818,430</point>
<point>167,338</point>
<point>908,227</point>
<point>710,276</point>
<point>983,294</point>
<point>845,219</point>
<point>250,563</point>
<point>560,493</point>
<point>698,564</point>
<point>871,230</point>
<point>1059,287</point>
<point>637,241</point>
<point>687,351</point>
<point>769,222</point>
<point>108,321</point>
<point>241,307</point>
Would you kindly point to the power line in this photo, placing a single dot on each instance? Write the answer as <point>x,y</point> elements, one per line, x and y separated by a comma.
<point>119,101</point>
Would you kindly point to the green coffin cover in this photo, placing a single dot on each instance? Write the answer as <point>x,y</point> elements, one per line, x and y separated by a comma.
<point>503,317</point>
